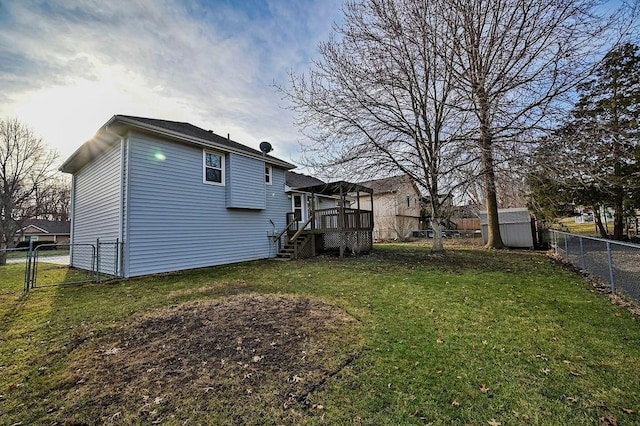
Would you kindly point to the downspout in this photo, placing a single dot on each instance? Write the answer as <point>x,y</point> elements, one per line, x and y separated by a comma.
<point>72,207</point>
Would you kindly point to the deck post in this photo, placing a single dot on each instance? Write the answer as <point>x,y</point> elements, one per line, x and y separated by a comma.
<point>313,209</point>
<point>341,223</point>
<point>358,220</point>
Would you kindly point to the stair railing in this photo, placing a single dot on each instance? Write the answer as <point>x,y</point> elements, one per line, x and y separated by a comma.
<point>301,228</point>
<point>297,234</point>
<point>278,238</point>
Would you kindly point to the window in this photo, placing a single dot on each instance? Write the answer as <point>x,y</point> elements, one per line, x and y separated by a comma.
<point>213,164</point>
<point>297,206</point>
<point>267,174</point>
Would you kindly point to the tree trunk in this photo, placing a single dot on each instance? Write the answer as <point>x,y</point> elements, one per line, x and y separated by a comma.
<point>598,219</point>
<point>494,240</point>
<point>435,215</point>
<point>437,234</point>
<point>3,253</point>
<point>618,220</point>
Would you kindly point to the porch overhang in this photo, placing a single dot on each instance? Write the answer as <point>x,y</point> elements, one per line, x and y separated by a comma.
<point>336,188</point>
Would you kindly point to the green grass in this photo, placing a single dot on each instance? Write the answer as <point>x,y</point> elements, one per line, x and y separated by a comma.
<point>468,337</point>
<point>587,229</point>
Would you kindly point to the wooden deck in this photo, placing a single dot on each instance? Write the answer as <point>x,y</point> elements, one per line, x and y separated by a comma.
<point>337,219</point>
<point>335,229</point>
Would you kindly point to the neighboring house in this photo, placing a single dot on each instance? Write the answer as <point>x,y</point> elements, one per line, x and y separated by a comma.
<point>175,196</point>
<point>52,231</point>
<point>397,207</point>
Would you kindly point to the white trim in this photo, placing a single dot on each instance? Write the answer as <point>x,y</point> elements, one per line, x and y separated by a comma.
<point>268,171</point>
<point>34,226</point>
<point>121,197</point>
<point>204,143</point>
<point>204,167</point>
<point>72,206</point>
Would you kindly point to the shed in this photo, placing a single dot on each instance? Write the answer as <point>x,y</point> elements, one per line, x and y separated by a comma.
<point>515,227</point>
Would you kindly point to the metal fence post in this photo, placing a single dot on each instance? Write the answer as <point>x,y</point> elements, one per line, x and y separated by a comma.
<point>27,272</point>
<point>117,256</point>
<point>613,284</point>
<point>566,246</point>
<point>98,260</point>
<point>582,262</point>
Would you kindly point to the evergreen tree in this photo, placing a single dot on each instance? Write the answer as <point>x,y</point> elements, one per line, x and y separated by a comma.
<point>595,157</point>
<point>608,112</point>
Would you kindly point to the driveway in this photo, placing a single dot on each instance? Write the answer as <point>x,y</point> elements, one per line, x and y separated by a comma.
<point>58,259</point>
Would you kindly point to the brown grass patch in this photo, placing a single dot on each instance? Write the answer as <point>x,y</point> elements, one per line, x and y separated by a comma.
<point>242,359</point>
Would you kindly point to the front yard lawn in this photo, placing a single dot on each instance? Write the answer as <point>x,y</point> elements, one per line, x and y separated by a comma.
<point>400,336</point>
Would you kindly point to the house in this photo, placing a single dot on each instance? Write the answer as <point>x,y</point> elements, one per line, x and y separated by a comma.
<point>151,196</point>
<point>397,207</point>
<point>173,196</point>
<point>51,231</point>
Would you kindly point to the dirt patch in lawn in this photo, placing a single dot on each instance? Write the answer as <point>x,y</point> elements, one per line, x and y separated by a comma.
<point>240,360</point>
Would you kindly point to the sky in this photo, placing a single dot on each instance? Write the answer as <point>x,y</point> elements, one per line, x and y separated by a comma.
<point>66,67</point>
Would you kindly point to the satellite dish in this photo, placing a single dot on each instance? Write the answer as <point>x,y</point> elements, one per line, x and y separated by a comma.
<point>265,147</point>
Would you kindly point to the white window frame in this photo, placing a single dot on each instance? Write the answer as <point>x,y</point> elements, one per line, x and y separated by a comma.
<point>204,167</point>
<point>268,174</point>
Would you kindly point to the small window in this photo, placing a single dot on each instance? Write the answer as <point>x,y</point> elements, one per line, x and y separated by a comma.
<point>408,201</point>
<point>213,165</point>
<point>267,174</point>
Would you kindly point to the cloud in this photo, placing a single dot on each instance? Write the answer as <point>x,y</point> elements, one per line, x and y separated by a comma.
<point>66,67</point>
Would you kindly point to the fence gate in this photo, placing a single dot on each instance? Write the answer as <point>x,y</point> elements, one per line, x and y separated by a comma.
<point>56,264</point>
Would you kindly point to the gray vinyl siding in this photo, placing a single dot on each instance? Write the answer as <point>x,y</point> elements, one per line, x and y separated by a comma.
<point>96,205</point>
<point>245,182</point>
<point>176,221</point>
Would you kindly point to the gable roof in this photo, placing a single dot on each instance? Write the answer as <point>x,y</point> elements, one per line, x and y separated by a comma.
<point>49,226</point>
<point>387,185</point>
<point>512,215</point>
<point>118,125</point>
<point>298,180</point>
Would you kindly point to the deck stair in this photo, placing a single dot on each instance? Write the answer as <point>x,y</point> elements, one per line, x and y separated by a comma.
<point>292,248</point>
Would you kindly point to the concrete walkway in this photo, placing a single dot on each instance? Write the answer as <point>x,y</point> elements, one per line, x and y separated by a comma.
<point>58,260</point>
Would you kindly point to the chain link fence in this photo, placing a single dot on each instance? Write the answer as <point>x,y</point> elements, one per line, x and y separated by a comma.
<point>55,264</point>
<point>615,262</point>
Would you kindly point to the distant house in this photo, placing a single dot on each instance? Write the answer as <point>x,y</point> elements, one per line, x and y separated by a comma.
<point>177,197</point>
<point>397,207</point>
<point>52,231</point>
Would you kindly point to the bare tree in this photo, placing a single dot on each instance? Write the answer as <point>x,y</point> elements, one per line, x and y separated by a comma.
<point>516,60</point>
<point>428,88</point>
<point>25,166</point>
<point>380,101</point>
<point>54,199</point>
